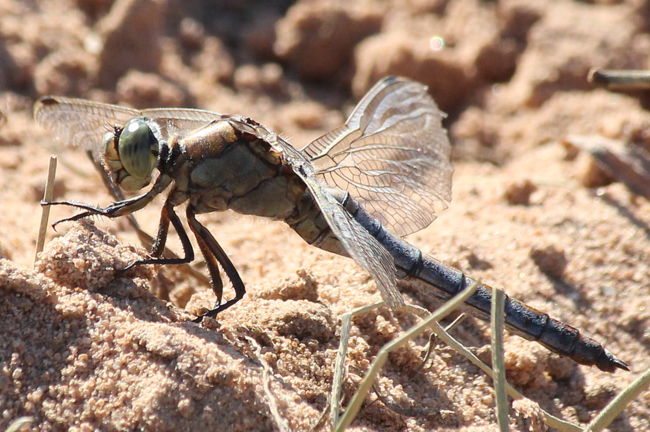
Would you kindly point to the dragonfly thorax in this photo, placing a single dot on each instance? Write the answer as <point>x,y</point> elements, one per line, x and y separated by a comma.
<point>130,153</point>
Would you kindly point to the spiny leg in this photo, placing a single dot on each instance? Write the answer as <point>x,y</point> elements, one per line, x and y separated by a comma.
<point>90,210</point>
<point>213,268</point>
<point>167,215</point>
<point>116,209</point>
<point>212,252</point>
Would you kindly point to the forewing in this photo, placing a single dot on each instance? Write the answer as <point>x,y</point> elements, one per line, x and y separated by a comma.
<point>80,122</point>
<point>366,251</point>
<point>181,121</point>
<point>83,123</point>
<point>392,155</point>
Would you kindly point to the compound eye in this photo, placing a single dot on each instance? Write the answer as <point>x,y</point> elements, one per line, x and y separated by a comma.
<point>138,149</point>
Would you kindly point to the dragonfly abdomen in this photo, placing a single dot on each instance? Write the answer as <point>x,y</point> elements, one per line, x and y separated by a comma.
<point>432,277</point>
<point>308,221</point>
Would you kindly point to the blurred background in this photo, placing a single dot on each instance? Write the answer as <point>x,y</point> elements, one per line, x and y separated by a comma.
<point>511,74</point>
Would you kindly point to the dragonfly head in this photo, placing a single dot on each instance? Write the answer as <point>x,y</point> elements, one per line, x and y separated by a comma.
<point>131,153</point>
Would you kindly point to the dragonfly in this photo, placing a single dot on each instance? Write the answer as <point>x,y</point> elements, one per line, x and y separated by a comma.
<point>355,191</point>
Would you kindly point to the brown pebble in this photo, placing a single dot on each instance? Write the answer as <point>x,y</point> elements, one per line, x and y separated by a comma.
<point>519,192</point>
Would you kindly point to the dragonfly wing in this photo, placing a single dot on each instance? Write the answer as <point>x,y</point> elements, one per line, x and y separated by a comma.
<point>80,122</point>
<point>83,123</point>
<point>392,155</point>
<point>366,251</point>
<point>180,121</point>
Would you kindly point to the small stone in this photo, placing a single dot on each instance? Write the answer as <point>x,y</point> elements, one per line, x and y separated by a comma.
<point>519,192</point>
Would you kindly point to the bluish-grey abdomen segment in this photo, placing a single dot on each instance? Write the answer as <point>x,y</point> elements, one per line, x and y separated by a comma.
<point>432,277</point>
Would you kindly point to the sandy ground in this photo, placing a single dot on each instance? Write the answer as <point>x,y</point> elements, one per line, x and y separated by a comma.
<point>83,350</point>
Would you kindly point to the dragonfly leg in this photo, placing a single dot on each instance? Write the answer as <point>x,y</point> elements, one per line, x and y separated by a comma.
<point>213,268</point>
<point>213,253</point>
<point>167,215</point>
<point>90,210</point>
<point>146,240</point>
<point>117,209</point>
<point>158,244</point>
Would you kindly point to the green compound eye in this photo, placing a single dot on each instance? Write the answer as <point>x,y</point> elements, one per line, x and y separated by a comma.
<point>138,147</point>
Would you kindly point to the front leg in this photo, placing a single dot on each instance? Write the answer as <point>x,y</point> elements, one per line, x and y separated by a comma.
<point>118,208</point>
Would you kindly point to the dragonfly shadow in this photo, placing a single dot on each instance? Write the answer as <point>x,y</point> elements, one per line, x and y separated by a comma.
<point>625,211</point>
<point>383,406</point>
<point>589,399</point>
<point>127,295</point>
<point>564,287</point>
<point>410,388</point>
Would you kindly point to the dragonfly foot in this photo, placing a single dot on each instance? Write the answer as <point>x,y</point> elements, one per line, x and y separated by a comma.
<point>70,219</point>
<point>121,272</point>
<point>218,308</point>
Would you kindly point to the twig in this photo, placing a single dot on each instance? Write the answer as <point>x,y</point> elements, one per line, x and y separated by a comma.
<point>616,406</point>
<point>497,321</point>
<point>280,422</point>
<point>382,356</point>
<point>628,164</point>
<point>339,367</point>
<point>620,79</point>
<point>21,424</point>
<point>45,215</point>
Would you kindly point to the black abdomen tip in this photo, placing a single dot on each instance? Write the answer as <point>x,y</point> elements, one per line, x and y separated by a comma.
<point>608,362</point>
